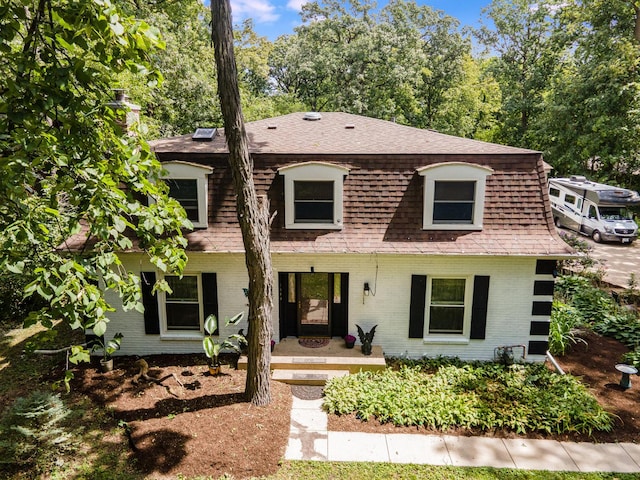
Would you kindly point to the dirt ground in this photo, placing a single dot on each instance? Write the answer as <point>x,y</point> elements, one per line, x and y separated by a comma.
<point>594,362</point>
<point>203,426</point>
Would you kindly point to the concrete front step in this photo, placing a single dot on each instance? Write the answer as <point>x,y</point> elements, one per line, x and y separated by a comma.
<point>306,377</point>
<point>351,364</point>
<point>308,363</point>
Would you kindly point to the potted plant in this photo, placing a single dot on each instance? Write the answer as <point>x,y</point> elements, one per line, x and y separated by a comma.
<point>108,349</point>
<point>349,341</point>
<point>213,346</point>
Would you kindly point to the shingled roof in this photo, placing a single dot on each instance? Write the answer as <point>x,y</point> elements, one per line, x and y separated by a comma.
<point>383,193</point>
<point>336,134</point>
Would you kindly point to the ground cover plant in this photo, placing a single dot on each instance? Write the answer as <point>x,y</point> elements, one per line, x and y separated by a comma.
<point>581,304</point>
<point>485,396</point>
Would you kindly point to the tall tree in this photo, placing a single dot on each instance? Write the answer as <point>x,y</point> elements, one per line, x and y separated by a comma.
<point>592,123</point>
<point>253,212</point>
<point>74,186</point>
<point>187,98</point>
<point>521,38</point>
<point>472,106</point>
<point>389,63</point>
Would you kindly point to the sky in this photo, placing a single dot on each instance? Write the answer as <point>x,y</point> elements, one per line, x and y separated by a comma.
<point>272,18</point>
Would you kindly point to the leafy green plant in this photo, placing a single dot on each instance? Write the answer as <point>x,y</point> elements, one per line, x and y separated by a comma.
<point>565,320</point>
<point>107,348</point>
<point>212,345</point>
<point>624,326</point>
<point>632,358</point>
<point>520,398</point>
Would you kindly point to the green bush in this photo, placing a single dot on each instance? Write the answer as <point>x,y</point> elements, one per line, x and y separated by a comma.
<point>13,306</point>
<point>33,430</point>
<point>521,398</point>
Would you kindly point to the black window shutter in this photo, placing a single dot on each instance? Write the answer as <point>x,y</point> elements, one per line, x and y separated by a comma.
<point>210,297</point>
<point>417,305</point>
<point>150,303</point>
<point>479,308</point>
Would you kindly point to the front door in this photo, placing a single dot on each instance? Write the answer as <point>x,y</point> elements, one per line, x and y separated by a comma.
<point>313,304</point>
<point>314,318</point>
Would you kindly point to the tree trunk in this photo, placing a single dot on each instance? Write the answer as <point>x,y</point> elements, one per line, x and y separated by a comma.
<point>253,213</point>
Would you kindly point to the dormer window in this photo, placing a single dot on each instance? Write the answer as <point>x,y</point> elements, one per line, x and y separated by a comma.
<point>188,184</point>
<point>313,201</point>
<point>454,196</point>
<point>313,195</point>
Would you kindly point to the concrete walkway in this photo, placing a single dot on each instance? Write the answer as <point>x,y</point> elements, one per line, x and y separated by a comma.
<point>310,440</point>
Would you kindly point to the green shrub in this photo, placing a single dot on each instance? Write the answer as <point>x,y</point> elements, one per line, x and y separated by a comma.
<point>521,398</point>
<point>632,358</point>
<point>33,430</point>
<point>13,306</point>
<point>623,325</point>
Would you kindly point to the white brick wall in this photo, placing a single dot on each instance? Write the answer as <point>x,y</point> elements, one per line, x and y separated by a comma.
<point>508,317</point>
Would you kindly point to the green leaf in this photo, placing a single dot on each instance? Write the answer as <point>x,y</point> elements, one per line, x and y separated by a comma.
<point>100,328</point>
<point>17,267</point>
<point>235,319</point>
<point>211,324</point>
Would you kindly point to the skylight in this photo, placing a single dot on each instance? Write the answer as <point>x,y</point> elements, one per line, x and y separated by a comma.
<point>204,134</point>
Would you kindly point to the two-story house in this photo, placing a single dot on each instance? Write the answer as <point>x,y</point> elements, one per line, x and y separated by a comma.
<point>446,244</point>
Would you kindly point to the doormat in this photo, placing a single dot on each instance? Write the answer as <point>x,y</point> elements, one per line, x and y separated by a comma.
<point>314,342</point>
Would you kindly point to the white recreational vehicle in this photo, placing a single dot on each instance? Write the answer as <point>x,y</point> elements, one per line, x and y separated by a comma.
<point>594,209</point>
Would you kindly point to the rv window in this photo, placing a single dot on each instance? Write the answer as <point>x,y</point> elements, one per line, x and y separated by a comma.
<point>592,212</point>
<point>554,192</point>
<point>614,213</point>
<point>570,199</point>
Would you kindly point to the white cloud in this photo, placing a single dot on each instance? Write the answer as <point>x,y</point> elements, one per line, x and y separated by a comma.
<point>296,4</point>
<point>261,11</point>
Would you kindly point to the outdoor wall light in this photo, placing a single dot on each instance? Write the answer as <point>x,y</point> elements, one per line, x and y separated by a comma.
<point>367,290</point>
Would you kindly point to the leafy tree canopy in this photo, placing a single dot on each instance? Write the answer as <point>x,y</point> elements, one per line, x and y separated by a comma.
<point>391,63</point>
<point>592,120</point>
<point>74,186</point>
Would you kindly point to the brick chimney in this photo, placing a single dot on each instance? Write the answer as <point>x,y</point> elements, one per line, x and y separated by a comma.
<point>127,113</point>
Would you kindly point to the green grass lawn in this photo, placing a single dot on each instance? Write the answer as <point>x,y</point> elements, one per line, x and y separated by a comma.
<point>385,471</point>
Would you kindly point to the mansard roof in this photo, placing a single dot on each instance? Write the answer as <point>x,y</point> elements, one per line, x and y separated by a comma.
<point>383,190</point>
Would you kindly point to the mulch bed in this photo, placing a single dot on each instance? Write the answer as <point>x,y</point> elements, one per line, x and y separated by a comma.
<point>204,427</point>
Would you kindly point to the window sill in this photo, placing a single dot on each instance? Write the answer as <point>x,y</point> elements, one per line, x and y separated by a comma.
<point>446,340</point>
<point>314,226</point>
<point>189,336</point>
<point>452,226</point>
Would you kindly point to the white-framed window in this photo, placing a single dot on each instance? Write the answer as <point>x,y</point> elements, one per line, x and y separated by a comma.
<point>188,184</point>
<point>448,312</point>
<point>313,194</point>
<point>454,195</point>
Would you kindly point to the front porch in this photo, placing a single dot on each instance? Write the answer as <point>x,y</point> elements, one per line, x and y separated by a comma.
<point>294,364</point>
